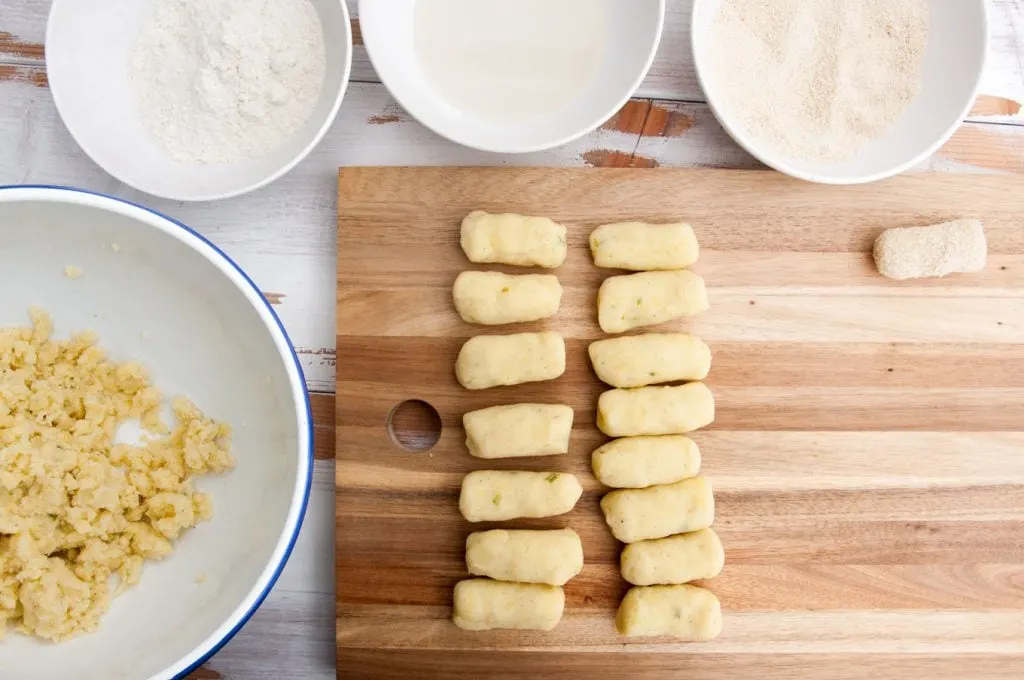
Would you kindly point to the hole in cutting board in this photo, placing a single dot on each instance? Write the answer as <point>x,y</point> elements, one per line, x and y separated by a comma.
<point>414,425</point>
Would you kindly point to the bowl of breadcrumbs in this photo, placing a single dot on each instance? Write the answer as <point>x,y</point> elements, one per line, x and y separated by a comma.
<point>155,441</point>
<point>837,91</point>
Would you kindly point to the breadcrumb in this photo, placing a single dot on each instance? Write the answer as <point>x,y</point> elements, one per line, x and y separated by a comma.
<point>72,272</point>
<point>76,508</point>
<point>938,250</point>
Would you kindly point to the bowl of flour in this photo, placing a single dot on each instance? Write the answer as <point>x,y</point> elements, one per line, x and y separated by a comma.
<point>840,91</point>
<point>198,100</point>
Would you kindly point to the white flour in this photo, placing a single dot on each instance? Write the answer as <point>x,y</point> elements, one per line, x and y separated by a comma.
<point>818,79</point>
<point>224,80</point>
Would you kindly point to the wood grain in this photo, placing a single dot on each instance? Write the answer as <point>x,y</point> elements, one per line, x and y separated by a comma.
<point>507,665</point>
<point>322,406</point>
<point>284,237</point>
<point>866,454</point>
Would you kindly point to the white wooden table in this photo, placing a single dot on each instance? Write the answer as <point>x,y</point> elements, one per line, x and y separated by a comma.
<point>284,237</point>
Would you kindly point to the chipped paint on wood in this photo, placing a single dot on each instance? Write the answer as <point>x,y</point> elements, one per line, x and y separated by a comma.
<point>608,158</point>
<point>324,355</point>
<point>204,673</point>
<point>663,121</point>
<point>630,118</point>
<point>390,113</point>
<point>322,351</point>
<point>987,105</point>
<point>274,298</point>
<point>33,75</point>
<point>10,44</point>
<point>357,32</point>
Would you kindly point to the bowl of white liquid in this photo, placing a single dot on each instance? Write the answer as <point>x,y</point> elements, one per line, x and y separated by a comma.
<point>511,76</point>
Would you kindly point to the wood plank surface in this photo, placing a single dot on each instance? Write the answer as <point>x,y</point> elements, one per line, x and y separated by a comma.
<point>866,454</point>
<point>506,665</point>
<point>283,236</point>
<point>672,76</point>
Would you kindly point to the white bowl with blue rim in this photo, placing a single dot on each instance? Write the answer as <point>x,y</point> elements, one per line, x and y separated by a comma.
<point>158,293</point>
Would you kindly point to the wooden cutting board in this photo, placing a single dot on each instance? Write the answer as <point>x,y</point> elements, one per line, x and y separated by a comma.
<point>868,456</point>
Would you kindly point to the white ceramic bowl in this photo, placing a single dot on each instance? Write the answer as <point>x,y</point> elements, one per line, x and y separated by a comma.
<point>88,53</point>
<point>170,300</point>
<point>632,30</point>
<point>953,64</point>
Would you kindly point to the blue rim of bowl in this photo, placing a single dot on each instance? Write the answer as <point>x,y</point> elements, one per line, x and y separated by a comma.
<point>554,144</point>
<point>301,156</point>
<point>739,136</point>
<point>206,656</point>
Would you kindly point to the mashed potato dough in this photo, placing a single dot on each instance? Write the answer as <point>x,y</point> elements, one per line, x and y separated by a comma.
<point>495,360</point>
<point>513,239</point>
<point>483,604</point>
<point>76,508</point>
<point>640,360</point>
<point>676,559</point>
<point>525,555</point>
<point>644,247</point>
<point>499,495</point>
<point>639,462</point>
<point>649,298</point>
<point>493,298</point>
<point>684,612</point>
<point>518,430</point>
<point>659,511</point>
<point>676,409</point>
